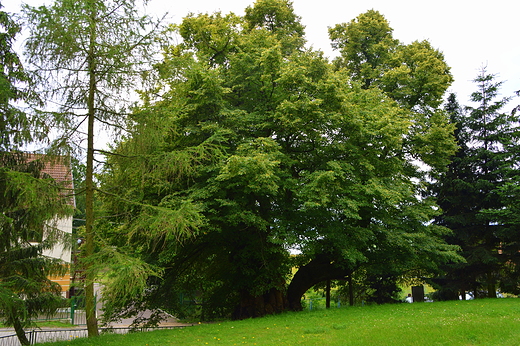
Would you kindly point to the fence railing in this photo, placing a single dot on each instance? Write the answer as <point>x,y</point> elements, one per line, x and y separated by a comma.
<point>320,303</point>
<point>51,335</point>
<point>73,312</point>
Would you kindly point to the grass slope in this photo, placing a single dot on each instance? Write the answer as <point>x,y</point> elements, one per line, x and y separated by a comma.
<point>480,322</point>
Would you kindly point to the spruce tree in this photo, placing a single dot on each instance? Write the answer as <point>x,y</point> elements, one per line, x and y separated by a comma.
<point>30,202</point>
<point>475,192</point>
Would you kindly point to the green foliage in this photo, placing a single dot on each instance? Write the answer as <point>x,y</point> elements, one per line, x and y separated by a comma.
<point>16,126</point>
<point>366,44</point>
<point>125,278</point>
<point>258,145</point>
<point>419,76</point>
<point>278,17</point>
<point>29,208</point>
<point>414,75</point>
<point>478,193</point>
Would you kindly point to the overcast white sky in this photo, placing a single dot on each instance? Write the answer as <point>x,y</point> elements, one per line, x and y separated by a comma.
<point>469,33</point>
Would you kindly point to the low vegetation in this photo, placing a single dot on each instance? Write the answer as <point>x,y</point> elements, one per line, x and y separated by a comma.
<point>477,322</point>
<point>48,324</point>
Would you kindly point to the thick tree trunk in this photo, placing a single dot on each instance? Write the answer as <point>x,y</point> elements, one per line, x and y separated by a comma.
<point>318,270</point>
<point>267,304</point>
<point>491,285</point>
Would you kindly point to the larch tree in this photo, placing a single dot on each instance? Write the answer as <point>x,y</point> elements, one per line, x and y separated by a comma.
<point>87,56</point>
<point>265,148</point>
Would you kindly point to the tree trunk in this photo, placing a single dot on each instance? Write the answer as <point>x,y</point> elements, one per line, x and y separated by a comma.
<point>317,270</point>
<point>20,332</point>
<point>90,303</point>
<point>327,295</point>
<point>491,286</point>
<point>269,303</point>
<point>350,291</point>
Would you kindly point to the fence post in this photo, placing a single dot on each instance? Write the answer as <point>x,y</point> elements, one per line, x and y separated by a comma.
<point>72,308</point>
<point>418,294</point>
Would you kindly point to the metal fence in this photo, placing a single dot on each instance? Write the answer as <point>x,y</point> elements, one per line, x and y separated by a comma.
<point>73,312</point>
<point>319,303</point>
<point>50,335</point>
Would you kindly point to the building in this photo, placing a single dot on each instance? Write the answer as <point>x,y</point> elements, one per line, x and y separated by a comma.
<point>60,170</point>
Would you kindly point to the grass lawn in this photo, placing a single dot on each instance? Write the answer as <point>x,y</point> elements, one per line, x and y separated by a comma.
<point>49,324</point>
<point>480,322</point>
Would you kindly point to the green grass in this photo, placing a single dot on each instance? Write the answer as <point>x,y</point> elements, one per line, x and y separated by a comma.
<point>49,324</point>
<point>480,322</point>
<point>54,324</point>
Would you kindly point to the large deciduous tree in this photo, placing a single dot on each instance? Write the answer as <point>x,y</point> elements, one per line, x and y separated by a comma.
<point>87,55</point>
<point>260,146</point>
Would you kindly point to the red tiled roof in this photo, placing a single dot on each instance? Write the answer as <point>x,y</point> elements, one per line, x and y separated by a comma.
<point>57,169</point>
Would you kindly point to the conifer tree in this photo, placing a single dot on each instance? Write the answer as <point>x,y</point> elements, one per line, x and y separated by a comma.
<point>87,55</point>
<point>30,202</point>
<point>476,193</point>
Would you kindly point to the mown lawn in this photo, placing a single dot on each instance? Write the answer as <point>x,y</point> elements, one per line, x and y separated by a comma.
<point>49,324</point>
<point>480,322</point>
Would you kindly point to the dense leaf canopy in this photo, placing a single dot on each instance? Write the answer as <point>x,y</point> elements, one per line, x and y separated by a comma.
<point>258,145</point>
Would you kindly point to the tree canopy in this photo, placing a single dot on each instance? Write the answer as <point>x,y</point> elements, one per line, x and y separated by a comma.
<point>259,145</point>
<point>16,126</point>
<point>415,75</point>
